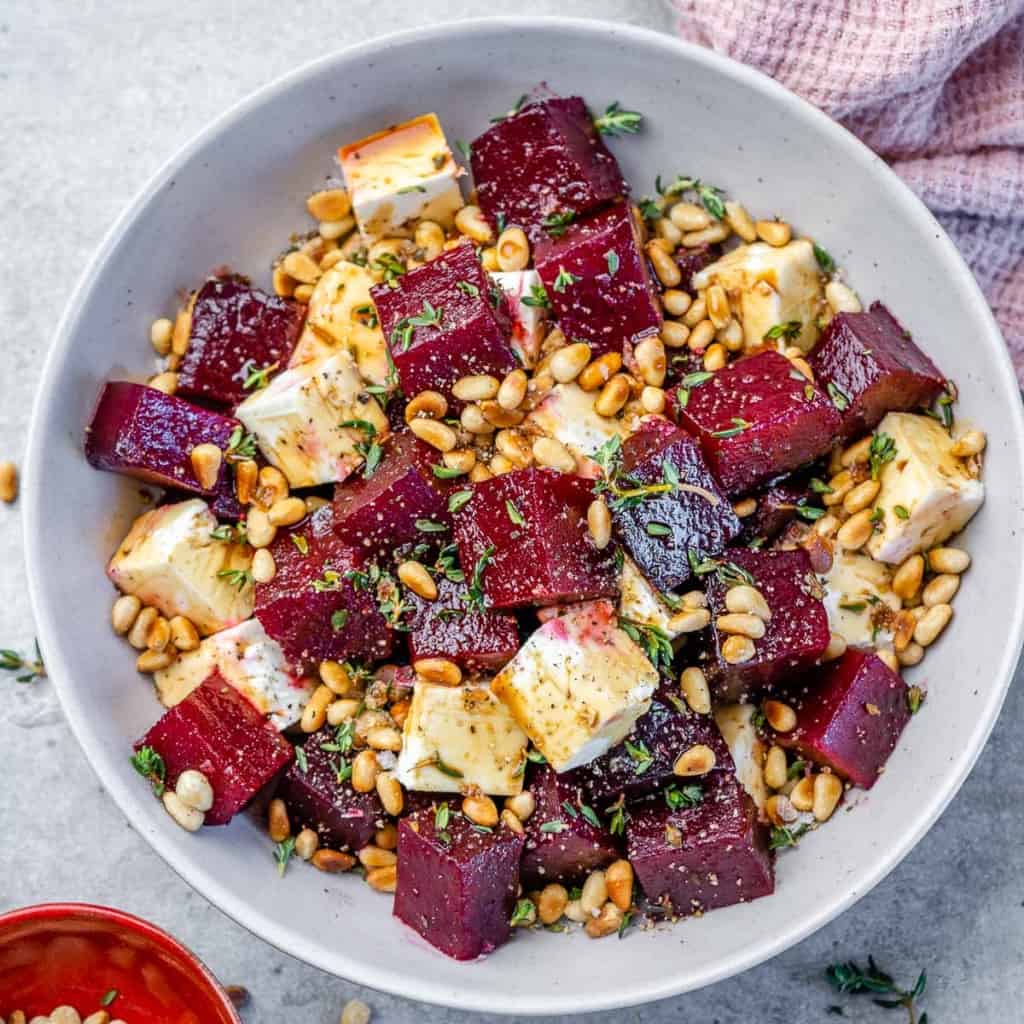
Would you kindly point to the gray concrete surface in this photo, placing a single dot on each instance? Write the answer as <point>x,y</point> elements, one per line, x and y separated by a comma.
<point>93,97</point>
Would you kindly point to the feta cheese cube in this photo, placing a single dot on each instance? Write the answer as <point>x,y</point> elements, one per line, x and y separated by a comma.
<point>399,175</point>
<point>339,316</point>
<point>171,560</point>
<point>459,736</point>
<point>251,662</point>
<point>567,414</point>
<point>577,685</point>
<point>528,310</point>
<point>769,285</point>
<point>927,493</point>
<point>297,420</point>
<point>640,602</point>
<point>854,586</point>
<point>736,724</point>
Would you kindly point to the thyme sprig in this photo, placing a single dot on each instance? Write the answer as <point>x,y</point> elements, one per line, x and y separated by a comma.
<point>849,978</point>
<point>12,661</point>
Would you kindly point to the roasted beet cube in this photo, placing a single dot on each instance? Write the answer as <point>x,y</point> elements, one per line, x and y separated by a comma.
<point>236,330</point>
<point>660,530</point>
<point>693,261</point>
<point>444,320</point>
<point>597,280</point>
<point>317,799</point>
<point>850,714</point>
<point>453,627</point>
<point>216,731</point>
<point>380,513</point>
<point>869,366</point>
<point>524,534</point>
<point>713,854</point>
<point>323,600</point>
<point>756,419</point>
<point>796,635</point>
<point>644,762</point>
<point>563,843</point>
<point>543,163</point>
<point>777,505</point>
<point>456,885</point>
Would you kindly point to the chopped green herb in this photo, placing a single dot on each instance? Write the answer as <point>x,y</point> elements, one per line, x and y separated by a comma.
<point>537,298</point>
<point>339,619</point>
<point>839,398</point>
<point>619,817</point>
<point>556,224</point>
<point>782,837</point>
<point>819,486</point>
<point>459,499</point>
<point>809,512</point>
<point>881,451</point>
<point>515,109</point>
<point>612,258</point>
<point>240,446</point>
<point>690,381</point>
<point>659,530</point>
<point>256,378</point>
<point>331,580</point>
<point>649,209</point>
<point>563,280</point>
<point>627,920</point>
<point>569,809</point>
<point>616,121</point>
<point>11,661</point>
<point>656,643</point>
<point>445,472</point>
<point>467,288</point>
<point>642,757</point>
<point>409,188</point>
<point>915,698</point>
<point>429,526</point>
<point>513,513</point>
<point>850,978</point>
<point>475,597</point>
<point>590,815</point>
<point>853,606</point>
<point>738,426</point>
<point>232,533</point>
<point>536,756</point>
<point>301,760</point>
<point>464,149</point>
<point>283,853</point>
<point>901,512</point>
<point>824,259</point>
<point>686,796</point>
<point>301,543</point>
<point>441,817</point>
<point>524,913</point>
<point>796,769</point>
<point>446,769</point>
<point>709,195</point>
<point>108,997</point>
<point>238,578</point>
<point>789,329</point>
<point>150,765</point>
<point>554,826</point>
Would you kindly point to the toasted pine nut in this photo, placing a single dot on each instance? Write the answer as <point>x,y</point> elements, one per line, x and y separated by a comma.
<point>551,903</point>
<point>154,661</point>
<point>515,446</point>
<point>554,455</point>
<point>911,654</point>
<point>954,560</point>
<point>619,882</point>
<point>259,531</point>
<point>431,405</point>
<point>666,268</point>
<point>906,581</point>
<point>828,788</point>
<point>731,336</point>
<point>499,465</point>
<point>715,232</point>
<point>399,711</point>
<point>697,312</point>
<point>774,232</point>
<point>941,590</point>
<point>719,312</point>
<point>781,717</point>
<point>342,710</point>
<point>664,228</point>
<point>140,628</point>
<point>745,507</point>
<point>8,482</point>
<point>384,737</point>
<point>374,857</point>
<point>418,580</point>
<point>674,334</point>
<point>438,670</point>
<point>748,600</point>
<point>689,216</point>
<point>472,419</point>
<point>839,487</point>
<point>479,473</point>
<point>522,805</point>
<point>689,620</point>
<point>568,363</point>
<point>715,357</point>
<point>740,221</point>
<point>856,452</point>
<point>386,836</point>
<point>365,769</point>
<point>314,714</point>
<point>438,435</point>
<point>286,512</point>
<point>595,893</point>
<point>301,267</point>
<point>470,221</point>
<point>499,417</point>
<point>827,525</point>
<point>246,479</point>
<point>264,568</point>
<point>675,301</point>
<point>273,486</point>
<point>741,624</point>
<point>332,862</point>
<point>842,299</point>
<point>513,249</point>
<point>836,647</point>
<point>329,204</point>
<point>278,825</point>
<point>166,382</point>
<point>696,760</point>
<point>695,599</point>
<point>306,844</point>
<point>861,496</point>
<point>510,821</point>
<point>335,677</point>
<point>187,817</point>
<point>607,922</point>
<point>780,810</point>
<point>802,794</point>
<point>932,623</point>
<point>694,686</point>
<point>476,387</point>
<point>160,335</point>
<point>480,809</point>
<point>652,399</point>
<point>776,771</point>
<point>303,292</point>
<point>650,361</point>
<point>613,396</point>
<point>702,335</point>
<point>182,331</point>
<point>512,390</point>
<point>389,790</point>
<point>854,533</point>
<point>331,231</point>
<point>159,635</point>
<point>382,879</point>
<point>971,443</point>
<point>124,613</point>
<point>597,373</point>
<point>890,659</point>
<point>282,283</point>
<point>99,1017</point>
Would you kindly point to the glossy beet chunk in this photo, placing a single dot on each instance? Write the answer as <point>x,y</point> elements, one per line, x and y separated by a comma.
<point>698,858</point>
<point>597,280</point>
<point>236,329</point>
<point>563,843</point>
<point>316,798</point>
<point>777,505</point>
<point>796,635</point>
<point>660,530</point>
<point>850,714</point>
<point>444,320</point>
<point>456,885</point>
<point>321,603</point>
<point>756,419</point>
<point>216,731</point>
<point>525,535</point>
<point>870,366</point>
<point>544,161</point>
<point>379,513</point>
<point>453,627</point>
<point>644,762</point>
<point>143,433</point>
<point>694,260</point>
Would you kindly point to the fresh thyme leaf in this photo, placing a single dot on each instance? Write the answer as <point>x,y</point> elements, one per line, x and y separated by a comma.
<point>824,259</point>
<point>853,606</point>
<point>364,425</point>
<point>257,378</point>
<point>819,486</point>
<point>283,853</point>
<point>366,314</point>
<point>468,288</point>
<point>537,298</point>
<point>554,826</point>
<point>499,222</point>
<point>441,817</point>
<point>446,769</point>
<point>642,757</point>
<point>523,913</point>
<point>649,209</point>
<point>445,472</point>
<point>536,757</point>
<point>809,512</point>
<point>686,796</point>
<point>389,265</point>
<point>429,526</point>
<point>475,598</point>
<point>240,445</point>
<point>655,642</point>
<point>618,817</point>
<point>231,533</point>
<point>569,809</point>
<point>796,769</point>
<point>915,698</point>
<point>839,398</point>
<point>515,109</point>
<point>342,770</point>
<point>616,121</point>
<point>877,514</point>
<point>556,224</point>
<point>612,258</point>
<point>409,188</point>
<point>331,580</point>
<point>464,149</point>
<point>150,765</point>
<point>627,920</point>
<point>459,500</point>
<point>238,578</point>
<point>339,619</point>
<point>850,978</point>
<point>108,997</point>
<point>881,451</point>
<point>690,381</point>
<point>301,543</point>
<point>513,513</point>
<point>301,760</point>
<point>563,280</point>
<point>789,329</point>
<point>783,837</point>
<point>738,426</point>
<point>900,512</point>
<point>11,661</point>
<point>658,530</point>
<point>590,815</point>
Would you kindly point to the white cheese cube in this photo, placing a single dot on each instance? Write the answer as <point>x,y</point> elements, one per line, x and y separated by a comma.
<point>567,414</point>
<point>854,587</point>
<point>297,420</point>
<point>171,560</point>
<point>578,685</point>
<point>927,494</point>
<point>769,285</point>
<point>640,602</point>
<point>460,736</point>
<point>339,317</point>
<point>736,723</point>
<point>399,175</point>
<point>251,662</point>
<point>529,314</point>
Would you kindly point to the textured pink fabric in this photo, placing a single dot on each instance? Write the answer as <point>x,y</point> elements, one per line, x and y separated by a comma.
<point>937,88</point>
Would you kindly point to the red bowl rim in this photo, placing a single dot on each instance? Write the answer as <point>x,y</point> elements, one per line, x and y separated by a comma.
<point>110,915</point>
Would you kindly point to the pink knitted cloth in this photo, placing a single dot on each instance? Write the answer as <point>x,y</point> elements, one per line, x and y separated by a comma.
<point>934,86</point>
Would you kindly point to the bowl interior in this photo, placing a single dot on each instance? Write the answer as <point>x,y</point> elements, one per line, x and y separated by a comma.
<point>234,197</point>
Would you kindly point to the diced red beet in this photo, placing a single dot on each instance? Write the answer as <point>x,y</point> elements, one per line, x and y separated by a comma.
<point>777,503</point>
<point>549,557</point>
<point>451,628</point>
<point>693,261</point>
<point>796,635</point>
<point>343,818</point>
<point>659,530</point>
<point>470,334</point>
<point>310,607</point>
<point>544,161</point>
<point>870,366</point>
<point>216,731</point>
<point>146,434</point>
<point>850,714</point>
<point>456,886</point>
<point>698,858</point>
<point>597,280</point>
<point>756,419</point>
<point>659,738</point>
<point>236,329</point>
<point>562,842</point>
<point>379,514</point>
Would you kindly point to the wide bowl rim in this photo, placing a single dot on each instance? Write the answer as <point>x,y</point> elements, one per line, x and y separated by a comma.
<point>382,976</point>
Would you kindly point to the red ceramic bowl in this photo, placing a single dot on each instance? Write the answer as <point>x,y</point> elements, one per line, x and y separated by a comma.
<point>74,953</point>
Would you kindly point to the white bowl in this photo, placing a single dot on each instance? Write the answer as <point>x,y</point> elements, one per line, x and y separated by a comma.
<point>233,196</point>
